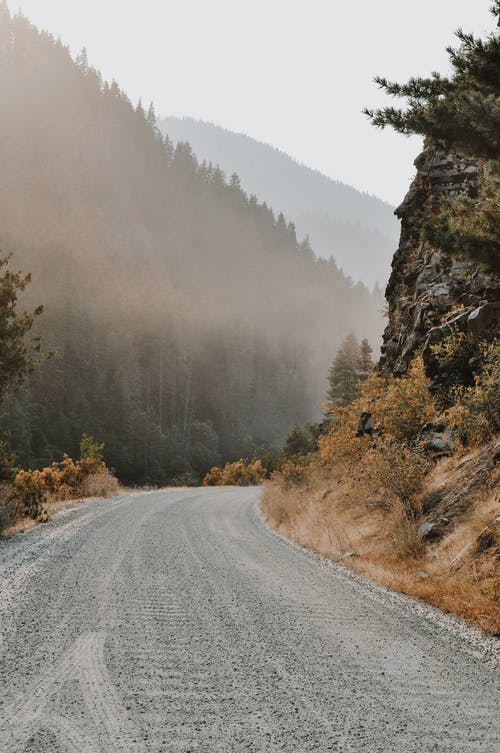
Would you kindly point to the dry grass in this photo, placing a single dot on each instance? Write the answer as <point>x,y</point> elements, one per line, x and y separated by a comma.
<point>351,519</point>
<point>99,484</point>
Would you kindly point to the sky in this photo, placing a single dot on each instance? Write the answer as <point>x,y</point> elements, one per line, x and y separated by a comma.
<point>292,73</point>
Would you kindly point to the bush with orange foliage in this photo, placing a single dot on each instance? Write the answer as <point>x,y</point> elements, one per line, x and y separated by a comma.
<point>239,473</point>
<point>213,477</point>
<point>476,413</point>
<point>67,479</point>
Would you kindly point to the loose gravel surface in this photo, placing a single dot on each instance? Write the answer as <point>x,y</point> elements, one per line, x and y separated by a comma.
<point>177,621</point>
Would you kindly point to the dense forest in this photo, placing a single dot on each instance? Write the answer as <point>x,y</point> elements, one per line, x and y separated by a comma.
<point>185,322</point>
<point>357,229</point>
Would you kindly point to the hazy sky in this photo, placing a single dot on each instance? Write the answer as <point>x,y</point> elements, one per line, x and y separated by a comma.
<point>293,73</point>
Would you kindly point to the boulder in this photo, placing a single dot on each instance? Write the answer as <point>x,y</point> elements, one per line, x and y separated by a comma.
<point>435,439</point>
<point>426,277</point>
<point>440,295</point>
<point>433,529</point>
<point>483,318</point>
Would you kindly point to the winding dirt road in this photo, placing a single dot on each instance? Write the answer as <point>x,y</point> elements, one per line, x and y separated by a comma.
<point>177,621</point>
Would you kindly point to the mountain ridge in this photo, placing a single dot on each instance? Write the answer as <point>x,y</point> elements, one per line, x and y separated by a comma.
<point>303,194</point>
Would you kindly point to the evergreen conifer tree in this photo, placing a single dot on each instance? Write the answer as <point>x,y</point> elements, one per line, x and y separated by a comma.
<point>151,116</point>
<point>82,61</point>
<point>459,113</point>
<point>345,373</point>
<point>365,358</point>
<point>18,355</point>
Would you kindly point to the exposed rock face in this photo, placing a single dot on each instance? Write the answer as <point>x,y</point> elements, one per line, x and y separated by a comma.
<point>430,293</point>
<point>435,439</point>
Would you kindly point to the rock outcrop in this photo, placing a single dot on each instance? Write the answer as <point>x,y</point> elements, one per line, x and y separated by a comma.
<point>430,294</point>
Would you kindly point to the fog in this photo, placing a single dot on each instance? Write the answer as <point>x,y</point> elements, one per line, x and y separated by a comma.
<point>187,322</point>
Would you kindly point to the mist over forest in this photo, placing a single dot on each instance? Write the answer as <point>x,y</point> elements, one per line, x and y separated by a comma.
<point>359,230</point>
<point>187,322</point>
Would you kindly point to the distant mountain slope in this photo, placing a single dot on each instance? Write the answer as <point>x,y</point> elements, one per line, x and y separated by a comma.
<point>359,230</point>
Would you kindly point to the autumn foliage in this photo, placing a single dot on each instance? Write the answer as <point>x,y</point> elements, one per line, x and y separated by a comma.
<point>369,502</point>
<point>239,473</point>
<point>31,490</point>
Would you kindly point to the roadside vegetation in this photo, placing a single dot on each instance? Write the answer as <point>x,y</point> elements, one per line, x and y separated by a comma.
<point>239,473</point>
<point>415,510</point>
<point>28,496</point>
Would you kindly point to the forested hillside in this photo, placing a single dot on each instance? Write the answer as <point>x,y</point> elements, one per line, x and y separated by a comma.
<point>187,323</point>
<point>357,229</point>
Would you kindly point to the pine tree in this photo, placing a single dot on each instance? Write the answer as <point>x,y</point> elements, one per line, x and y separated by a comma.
<point>344,373</point>
<point>234,183</point>
<point>301,441</point>
<point>18,355</point>
<point>140,110</point>
<point>82,61</point>
<point>365,359</point>
<point>151,116</point>
<point>459,113</point>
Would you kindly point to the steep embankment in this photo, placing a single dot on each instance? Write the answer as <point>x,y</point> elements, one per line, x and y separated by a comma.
<point>357,229</point>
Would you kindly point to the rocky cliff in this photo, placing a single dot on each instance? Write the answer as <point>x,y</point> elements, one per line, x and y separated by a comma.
<point>430,294</point>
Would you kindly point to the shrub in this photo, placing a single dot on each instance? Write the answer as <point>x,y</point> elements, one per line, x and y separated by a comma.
<point>239,473</point>
<point>91,450</point>
<point>293,473</point>
<point>407,404</point>
<point>268,459</point>
<point>66,479</point>
<point>188,478</point>
<point>99,484</point>
<point>476,415</point>
<point>454,351</point>
<point>213,477</point>
<point>30,491</point>
<point>8,506</point>
<point>400,471</point>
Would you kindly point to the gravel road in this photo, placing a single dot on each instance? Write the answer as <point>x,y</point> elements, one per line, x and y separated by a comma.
<point>177,621</point>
